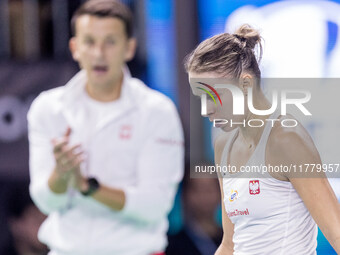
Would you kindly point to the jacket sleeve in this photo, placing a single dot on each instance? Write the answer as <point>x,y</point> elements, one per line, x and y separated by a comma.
<point>41,160</point>
<point>160,167</point>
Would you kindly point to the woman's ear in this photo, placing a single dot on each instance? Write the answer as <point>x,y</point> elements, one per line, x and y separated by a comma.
<point>247,81</point>
<point>73,48</point>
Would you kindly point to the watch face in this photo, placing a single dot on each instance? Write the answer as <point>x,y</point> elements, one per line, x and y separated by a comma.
<point>93,187</point>
<point>93,183</point>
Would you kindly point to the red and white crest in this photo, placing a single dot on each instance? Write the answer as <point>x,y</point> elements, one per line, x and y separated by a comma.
<point>254,187</point>
<point>125,132</point>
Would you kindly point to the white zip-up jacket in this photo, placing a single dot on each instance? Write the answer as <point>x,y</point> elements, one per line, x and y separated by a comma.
<point>137,147</point>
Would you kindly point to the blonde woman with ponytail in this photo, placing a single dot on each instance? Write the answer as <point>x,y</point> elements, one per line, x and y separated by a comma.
<point>271,212</point>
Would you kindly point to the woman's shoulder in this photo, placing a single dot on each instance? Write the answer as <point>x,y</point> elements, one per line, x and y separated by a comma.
<point>290,145</point>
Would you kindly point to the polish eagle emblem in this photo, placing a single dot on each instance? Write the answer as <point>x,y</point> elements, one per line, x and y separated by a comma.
<point>254,187</point>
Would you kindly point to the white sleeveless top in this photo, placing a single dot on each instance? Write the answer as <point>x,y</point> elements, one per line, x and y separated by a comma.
<point>269,216</point>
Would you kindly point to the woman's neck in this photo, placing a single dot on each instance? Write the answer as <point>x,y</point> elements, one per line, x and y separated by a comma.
<point>251,135</point>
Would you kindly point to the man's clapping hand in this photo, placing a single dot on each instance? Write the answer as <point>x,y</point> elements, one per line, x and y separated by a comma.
<point>68,159</point>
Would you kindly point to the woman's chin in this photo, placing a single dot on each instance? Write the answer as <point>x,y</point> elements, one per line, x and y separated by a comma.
<point>227,128</point>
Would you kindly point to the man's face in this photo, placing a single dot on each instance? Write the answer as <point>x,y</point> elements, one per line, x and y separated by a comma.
<point>101,47</point>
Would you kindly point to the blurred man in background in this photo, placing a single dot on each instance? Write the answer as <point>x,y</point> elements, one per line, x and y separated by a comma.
<point>201,234</point>
<point>106,152</point>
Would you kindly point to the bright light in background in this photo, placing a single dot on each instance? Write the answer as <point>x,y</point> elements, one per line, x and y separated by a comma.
<point>300,37</point>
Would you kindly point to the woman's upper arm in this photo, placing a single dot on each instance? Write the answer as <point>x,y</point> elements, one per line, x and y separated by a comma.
<point>294,148</point>
<point>228,227</point>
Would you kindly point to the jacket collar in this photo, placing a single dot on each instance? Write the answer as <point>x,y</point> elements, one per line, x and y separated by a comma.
<point>76,87</point>
<point>73,101</point>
